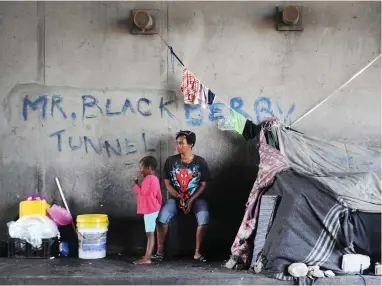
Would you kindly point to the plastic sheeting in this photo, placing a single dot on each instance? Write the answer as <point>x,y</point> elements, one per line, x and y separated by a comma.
<point>33,229</point>
<point>347,174</point>
<point>315,230</point>
<point>351,172</point>
<point>307,228</point>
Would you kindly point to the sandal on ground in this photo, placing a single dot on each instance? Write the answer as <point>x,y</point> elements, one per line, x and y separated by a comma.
<point>201,259</point>
<point>157,257</point>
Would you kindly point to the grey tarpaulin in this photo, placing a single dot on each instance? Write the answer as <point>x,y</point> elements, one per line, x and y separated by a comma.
<point>348,179</point>
<point>307,226</point>
<point>314,227</point>
<point>353,173</point>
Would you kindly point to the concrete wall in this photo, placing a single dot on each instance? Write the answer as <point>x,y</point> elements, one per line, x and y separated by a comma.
<point>73,77</point>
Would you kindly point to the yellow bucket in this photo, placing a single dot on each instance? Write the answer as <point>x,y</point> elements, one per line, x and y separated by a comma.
<point>92,220</point>
<point>92,235</point>
<point>33,208</point>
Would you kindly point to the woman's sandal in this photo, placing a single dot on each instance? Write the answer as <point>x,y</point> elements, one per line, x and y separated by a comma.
<point>201,259</point>
<point>157,257</point>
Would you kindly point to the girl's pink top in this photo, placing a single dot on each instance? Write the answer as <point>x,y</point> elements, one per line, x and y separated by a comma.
<point>149,195</point>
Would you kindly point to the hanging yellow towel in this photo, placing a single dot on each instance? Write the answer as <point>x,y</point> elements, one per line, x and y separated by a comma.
<point>237,122</point>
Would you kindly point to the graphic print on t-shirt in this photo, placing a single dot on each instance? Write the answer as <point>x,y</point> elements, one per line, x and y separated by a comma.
<point>185,180</point>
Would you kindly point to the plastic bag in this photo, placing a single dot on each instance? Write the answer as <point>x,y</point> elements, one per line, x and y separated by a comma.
<point>59,215</point>
<point>33,229</point>
<point>36,197</point>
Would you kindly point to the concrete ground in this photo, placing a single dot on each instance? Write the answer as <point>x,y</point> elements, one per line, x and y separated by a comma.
<point>113,271</point>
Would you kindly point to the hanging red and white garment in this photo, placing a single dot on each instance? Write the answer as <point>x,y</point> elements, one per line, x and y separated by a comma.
<point>190,87</point>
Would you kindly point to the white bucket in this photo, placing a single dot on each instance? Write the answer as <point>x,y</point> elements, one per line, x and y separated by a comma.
<point>92,242</point>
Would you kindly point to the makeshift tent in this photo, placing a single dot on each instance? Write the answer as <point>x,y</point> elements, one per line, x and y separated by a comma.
<point>329,203</point>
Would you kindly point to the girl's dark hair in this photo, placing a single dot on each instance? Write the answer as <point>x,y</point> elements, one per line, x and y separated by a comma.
<point>149,161</point>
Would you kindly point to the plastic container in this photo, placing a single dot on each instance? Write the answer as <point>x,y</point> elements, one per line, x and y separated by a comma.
<point>33,208</point>
<point>64,248</point>
<point>59,215</point>
<point>92,235</point>
<point>19,248</point>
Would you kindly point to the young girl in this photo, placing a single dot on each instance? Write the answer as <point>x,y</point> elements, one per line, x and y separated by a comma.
<point>149,202</point>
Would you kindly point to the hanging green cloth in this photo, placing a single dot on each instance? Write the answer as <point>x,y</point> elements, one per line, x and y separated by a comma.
<point>237,122</point>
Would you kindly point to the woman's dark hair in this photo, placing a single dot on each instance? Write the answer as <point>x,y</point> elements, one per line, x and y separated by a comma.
<point>190,136</point>
<point>149,161</point>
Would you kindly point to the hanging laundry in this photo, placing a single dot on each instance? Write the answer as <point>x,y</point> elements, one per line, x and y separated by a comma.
<point>224,124</point>
<point>237,122</point>
<point>202,97</point>
<point>190,87</point>
<point>210,97</point>
<point>251,130</point>
<point>206,96</point>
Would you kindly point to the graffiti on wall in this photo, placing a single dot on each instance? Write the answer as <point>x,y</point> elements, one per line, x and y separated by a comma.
<point>52,107</point>
<point>263,108</point>
<point>117,147</point>
<point>91,107</point>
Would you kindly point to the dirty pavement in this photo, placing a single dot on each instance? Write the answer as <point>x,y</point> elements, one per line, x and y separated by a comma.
<point>120,270</point>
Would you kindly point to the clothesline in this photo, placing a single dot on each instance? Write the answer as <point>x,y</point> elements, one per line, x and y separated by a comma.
<point>180,61</point>
<point>302,116</point>
<point>196,92</point>
<point>173,54</point>
<point>171,50</point>
<point>338,89</point>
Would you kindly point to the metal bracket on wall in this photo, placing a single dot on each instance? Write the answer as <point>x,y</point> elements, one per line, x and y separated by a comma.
<point>144,21</point>
<point>289,18</point>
